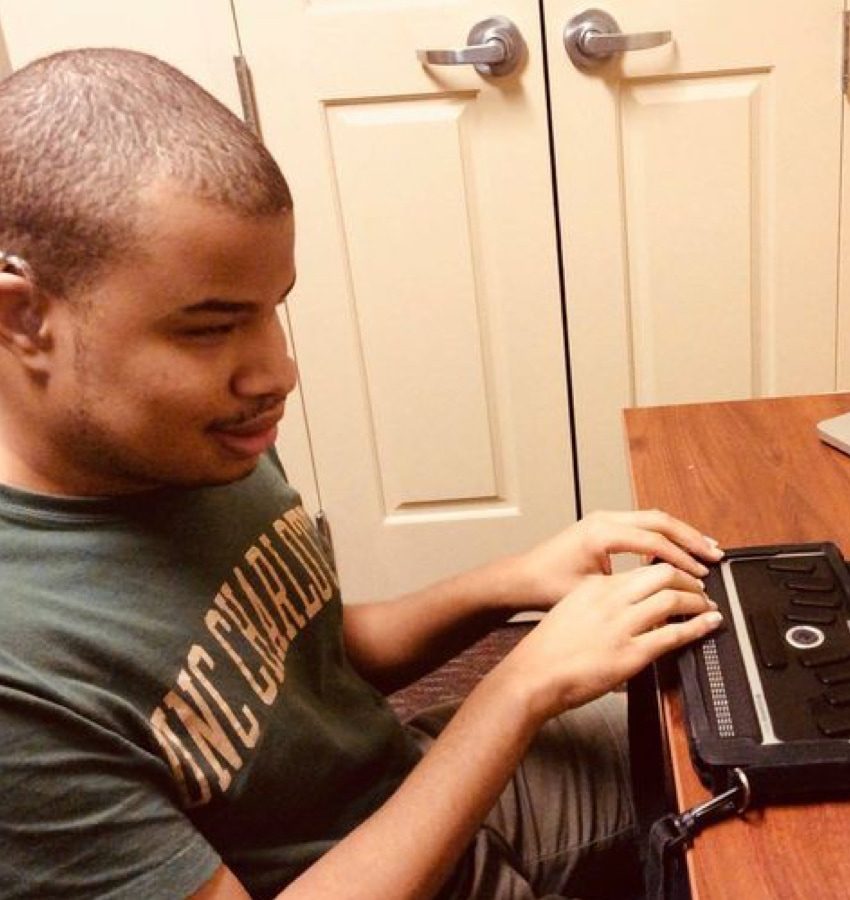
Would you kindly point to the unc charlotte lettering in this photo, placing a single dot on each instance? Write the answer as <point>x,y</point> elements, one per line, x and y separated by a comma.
<point>201,735</point>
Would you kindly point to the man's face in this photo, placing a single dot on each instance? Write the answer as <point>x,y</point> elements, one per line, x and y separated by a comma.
<point>172,369</point>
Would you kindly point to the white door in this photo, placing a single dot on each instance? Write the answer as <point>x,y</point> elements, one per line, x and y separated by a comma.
<point>699,197</point>
<point>427,314</point>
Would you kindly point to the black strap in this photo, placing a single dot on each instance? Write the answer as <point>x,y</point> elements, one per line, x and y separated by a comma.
<point>664,865</point>
<point>652,777</point>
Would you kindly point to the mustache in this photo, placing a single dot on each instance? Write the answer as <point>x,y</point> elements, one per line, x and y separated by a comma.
<point>256,411</point>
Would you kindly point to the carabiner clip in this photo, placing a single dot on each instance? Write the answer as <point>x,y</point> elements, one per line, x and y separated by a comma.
<point>735,799</point>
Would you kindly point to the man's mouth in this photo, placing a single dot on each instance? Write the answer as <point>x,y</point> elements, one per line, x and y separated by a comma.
<point>250,437</point>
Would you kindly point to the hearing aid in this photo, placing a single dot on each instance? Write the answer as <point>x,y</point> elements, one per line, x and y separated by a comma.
<point>30,317</point>
<point>15,265</point>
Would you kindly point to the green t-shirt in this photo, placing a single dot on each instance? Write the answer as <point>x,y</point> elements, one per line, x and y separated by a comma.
<point>174,694</point>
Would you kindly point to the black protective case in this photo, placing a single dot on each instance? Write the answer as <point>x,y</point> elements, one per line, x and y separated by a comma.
<point>802,748</point>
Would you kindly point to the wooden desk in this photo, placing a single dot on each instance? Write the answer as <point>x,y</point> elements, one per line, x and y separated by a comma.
<point>746,473</point>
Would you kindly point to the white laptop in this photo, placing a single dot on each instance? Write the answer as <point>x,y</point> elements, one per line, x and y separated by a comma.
<point>836,431</point>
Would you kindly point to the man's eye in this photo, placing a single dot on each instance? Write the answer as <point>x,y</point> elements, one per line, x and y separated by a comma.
<point>208,331</point>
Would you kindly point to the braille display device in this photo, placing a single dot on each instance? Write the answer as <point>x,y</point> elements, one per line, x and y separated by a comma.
<point>769,693</point>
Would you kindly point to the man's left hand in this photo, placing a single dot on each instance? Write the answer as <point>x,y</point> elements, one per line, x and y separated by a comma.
<point>552,569</point>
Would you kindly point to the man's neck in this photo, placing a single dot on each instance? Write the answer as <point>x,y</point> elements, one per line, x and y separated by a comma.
<point>16,473</point>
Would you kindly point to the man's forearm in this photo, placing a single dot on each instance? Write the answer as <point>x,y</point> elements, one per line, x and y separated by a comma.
<point>393,642</point>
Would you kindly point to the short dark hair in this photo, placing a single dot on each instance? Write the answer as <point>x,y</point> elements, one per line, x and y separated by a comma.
<point>84,131</point>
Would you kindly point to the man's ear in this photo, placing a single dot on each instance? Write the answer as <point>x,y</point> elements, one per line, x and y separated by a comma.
<point>23,328</point>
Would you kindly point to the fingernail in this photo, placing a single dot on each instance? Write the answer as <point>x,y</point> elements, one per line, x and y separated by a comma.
<point>711,603</point>
<point>714,618</point>
<point>702,570</point>
<point>715,545</point>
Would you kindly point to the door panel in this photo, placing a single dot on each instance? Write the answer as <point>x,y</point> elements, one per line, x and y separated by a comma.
<point>669,153</point>
<point>387,263</point>
<point>699,185</point>
<point>427,313</point>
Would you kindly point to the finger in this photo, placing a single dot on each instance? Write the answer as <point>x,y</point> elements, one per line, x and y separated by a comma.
<point>644,581</point>
<point>674,635</point>
<point>661,607</point>
<point>673,529</point>
<point>655,545</point>
<point>680,533</point>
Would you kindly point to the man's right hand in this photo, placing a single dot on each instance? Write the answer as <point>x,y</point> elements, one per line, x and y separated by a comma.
<point>604,632</point>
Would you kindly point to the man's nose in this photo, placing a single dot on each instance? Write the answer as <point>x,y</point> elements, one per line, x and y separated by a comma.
<point>266,368</point>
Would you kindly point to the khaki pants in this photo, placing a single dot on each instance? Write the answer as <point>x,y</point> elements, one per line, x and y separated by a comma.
<point>564,826</point>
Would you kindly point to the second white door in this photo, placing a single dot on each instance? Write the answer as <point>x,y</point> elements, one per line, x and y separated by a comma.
<point>699,195</point>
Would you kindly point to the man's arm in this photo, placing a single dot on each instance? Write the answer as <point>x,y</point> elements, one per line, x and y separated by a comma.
<point>608,629</point>
<point>394,642</point>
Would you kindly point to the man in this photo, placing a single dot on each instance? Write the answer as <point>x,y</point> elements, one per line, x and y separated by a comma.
<point>184,708</point>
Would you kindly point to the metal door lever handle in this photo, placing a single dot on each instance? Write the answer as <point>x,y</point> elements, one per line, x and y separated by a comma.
<point>494,46</point>
<point>593,37</point>
<point>494,51</point>
<point>595,44</point>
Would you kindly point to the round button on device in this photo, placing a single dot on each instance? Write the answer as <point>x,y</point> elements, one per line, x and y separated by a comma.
<point>805,637</point>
